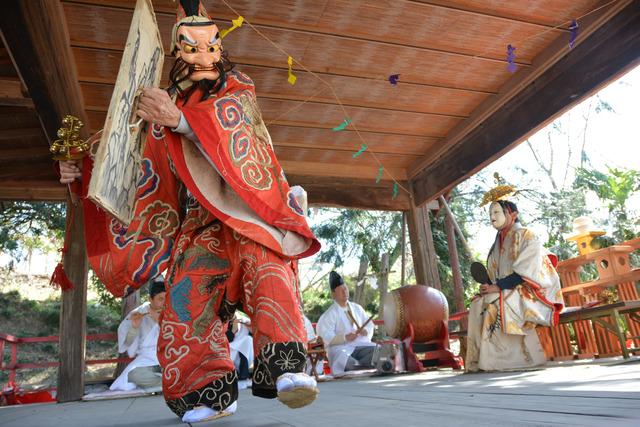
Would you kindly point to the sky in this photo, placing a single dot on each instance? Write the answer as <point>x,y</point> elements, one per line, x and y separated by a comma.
<point>611,139</point>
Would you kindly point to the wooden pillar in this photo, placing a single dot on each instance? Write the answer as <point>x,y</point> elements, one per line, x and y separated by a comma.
<point>458,291</point>
<point>383,283</point>
<point>403,252</point>
<point>362,272</point>
<point>423,251</point>
<point>73,312</point>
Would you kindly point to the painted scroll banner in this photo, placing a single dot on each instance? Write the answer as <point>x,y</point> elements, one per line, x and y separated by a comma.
<point>117,160</point>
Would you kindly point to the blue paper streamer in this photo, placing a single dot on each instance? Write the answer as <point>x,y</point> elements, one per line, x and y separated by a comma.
<point>393,79</point>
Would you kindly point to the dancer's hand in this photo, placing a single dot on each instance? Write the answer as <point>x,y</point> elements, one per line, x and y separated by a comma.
<point>155,106</point>
<point>70,170</point>
<point>136,319</point>
<point>351,336</point>
<point>488,289</point>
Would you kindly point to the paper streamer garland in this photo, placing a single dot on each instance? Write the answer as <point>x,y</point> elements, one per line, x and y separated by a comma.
<point>511,58</point>
<point>379,177</point>
<point>342,125</point>
<point>393,79</point>
<point>395,190</point>
<point>237,23</point>
<point>360,151</point>
<point>292,77</point>
<point>573,33</point>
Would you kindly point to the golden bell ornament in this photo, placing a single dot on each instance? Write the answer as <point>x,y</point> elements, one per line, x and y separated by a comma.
<point>69,145</point>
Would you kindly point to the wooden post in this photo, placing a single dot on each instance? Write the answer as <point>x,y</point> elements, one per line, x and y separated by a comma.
<point>423,251</point>
<point>417,253</point>
<point>403,253</point>
<point>458,291</point>
<point>73,312</point>
<point>383,283</point>
<point>362,272</point>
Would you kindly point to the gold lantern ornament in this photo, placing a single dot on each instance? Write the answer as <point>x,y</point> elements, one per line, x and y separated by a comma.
<point>69,145</point>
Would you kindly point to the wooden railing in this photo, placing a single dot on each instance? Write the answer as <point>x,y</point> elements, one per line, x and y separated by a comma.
<point>13,342</point>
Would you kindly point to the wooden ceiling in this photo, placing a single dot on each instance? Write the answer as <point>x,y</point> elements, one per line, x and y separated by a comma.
<point>450,55</point>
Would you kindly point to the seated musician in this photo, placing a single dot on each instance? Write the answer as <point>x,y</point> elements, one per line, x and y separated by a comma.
<point>241,348</point>
<point>524,291</point>
<point>346,331</point>
<point>138,337</point>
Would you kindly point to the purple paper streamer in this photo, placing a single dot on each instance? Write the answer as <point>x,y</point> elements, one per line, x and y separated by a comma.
<point>573,33</point>
<point>511,57</point>
<point>393,79</point>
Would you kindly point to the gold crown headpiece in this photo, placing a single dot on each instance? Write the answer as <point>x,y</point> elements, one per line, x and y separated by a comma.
<point>500,192</point>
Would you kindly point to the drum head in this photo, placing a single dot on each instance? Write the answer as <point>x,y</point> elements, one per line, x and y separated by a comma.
<point>390,315</point>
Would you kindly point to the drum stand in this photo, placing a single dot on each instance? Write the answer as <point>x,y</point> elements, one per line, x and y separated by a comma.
<point>430,354</point>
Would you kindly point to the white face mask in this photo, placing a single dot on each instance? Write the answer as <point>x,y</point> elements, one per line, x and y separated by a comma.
<point>496,215</point>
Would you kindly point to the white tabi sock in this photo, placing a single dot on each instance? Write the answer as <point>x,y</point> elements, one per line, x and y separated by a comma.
<point>203,412</point>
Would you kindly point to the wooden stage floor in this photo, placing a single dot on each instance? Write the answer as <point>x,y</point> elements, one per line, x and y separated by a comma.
<point>603,393</point>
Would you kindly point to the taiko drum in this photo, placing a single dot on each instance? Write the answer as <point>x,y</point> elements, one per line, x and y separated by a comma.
<point>424,307</point>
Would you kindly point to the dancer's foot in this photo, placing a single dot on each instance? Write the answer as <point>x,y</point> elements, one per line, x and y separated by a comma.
<point>296,389</point>
<point>204,413</point>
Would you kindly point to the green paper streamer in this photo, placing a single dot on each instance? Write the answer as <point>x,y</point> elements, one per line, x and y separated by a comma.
<point>360,151</point>
<point>379,177</point>
<point>395,190</point>
<point>342,125</point>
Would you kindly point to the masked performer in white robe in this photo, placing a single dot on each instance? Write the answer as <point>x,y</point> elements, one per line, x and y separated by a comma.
<point>347,342</point>
<point>524,292</point>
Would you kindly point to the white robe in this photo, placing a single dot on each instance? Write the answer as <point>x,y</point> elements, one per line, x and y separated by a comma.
<point>501,330</point>
<point>335,322</point>
<point>143,348</point>
<point>242,343</point>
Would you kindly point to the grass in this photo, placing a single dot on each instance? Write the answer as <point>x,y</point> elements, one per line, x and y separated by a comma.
<point>25,317</point>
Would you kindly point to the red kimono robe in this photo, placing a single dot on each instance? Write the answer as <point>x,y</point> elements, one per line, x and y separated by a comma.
<point>219,216</point>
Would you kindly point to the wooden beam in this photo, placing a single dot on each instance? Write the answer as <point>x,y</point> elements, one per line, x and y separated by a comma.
<point>12,94</point>
<point>313,169</point>
<point>425,262</point>
<point>458,291</point>
<point>73,311</point>
<point>52,194</point>
<point>608,52</point>
<point>20,134</point>
<point>35,34</point>
<point>351,193</point>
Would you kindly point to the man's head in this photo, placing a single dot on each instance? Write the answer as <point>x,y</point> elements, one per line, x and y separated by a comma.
<point>197,46</point>
<point>339,291</point>
<point>157,293</point>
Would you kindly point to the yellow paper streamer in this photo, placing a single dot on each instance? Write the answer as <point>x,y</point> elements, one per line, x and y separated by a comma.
<point>292,77</point>
<point>237,23</point>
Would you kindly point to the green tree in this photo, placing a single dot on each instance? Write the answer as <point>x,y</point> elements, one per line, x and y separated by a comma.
<point>352,233</point>
<point>613,188</point>
<point>25,226</point>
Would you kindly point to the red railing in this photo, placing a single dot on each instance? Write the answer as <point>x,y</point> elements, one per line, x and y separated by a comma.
<point>13,343</point>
